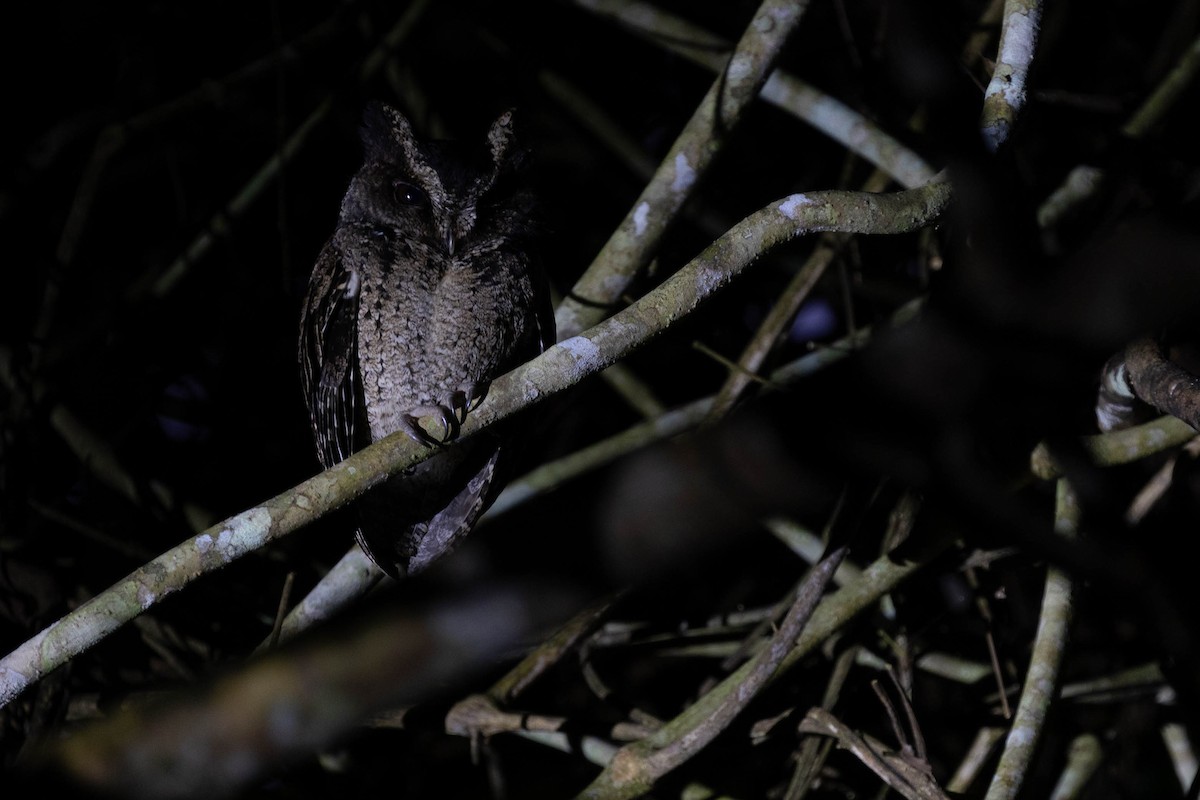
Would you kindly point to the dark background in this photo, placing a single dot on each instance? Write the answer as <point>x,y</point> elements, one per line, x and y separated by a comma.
<point>199,390</point>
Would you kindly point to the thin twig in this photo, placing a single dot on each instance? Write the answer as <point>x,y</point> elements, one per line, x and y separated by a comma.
<point>638,766</point>
<point>907,776</point>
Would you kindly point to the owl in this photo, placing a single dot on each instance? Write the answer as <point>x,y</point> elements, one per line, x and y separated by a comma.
<point>427,290</point>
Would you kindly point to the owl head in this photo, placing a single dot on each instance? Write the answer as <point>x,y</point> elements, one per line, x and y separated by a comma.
<point>451,191</point>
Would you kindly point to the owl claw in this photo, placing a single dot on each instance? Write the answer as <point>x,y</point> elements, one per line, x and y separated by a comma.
<point>464,401</point>
<point>451,412</point>
<point>417,432</point>
<point>449,423</point>
<point>460,401</point>
<point>470,397</point>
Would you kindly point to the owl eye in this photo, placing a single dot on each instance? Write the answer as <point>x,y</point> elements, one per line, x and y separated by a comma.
<point>408,195</point>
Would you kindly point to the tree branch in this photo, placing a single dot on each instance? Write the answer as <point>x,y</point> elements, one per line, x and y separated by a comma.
<point>634,241</point>
<point>1041,680</point>
<point>1005,95</point>
<point>554,371</point>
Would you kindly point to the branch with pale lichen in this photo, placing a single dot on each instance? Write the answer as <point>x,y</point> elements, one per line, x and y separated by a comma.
<point>1006,93</point>
<point>975,759</point>
<point>1151,112</point>
<point>786,306</point>
<point>1084,181</point>
<point>624,776</point>
<point>554,371</point>
<point>633,243</point>
<point>773,326</point>
<point>1083,759</point>
<point>637,767</point>
<point>1118,447</point>
<point>1045,661</point>
<point>783,90</point>
<point>354,574</point>
<point>155,751</point>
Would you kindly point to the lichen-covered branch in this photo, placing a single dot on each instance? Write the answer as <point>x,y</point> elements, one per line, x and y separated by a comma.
<point>212,549</point>
<point>1083,759</point>
<point>1119,447</point>
<point>824,113</point>
<point>638,766</point>
<point>573,358</point>
<point>555,370</point>
<point>786,306</point>
<point>1049,647</point>
<point>1116,402</point>
<point>1084,181</point>
<point>835,610</point>
<point>354,574</point>
<point>350,578</point>
<point>1005,95</point>
<point>1151,112</point>
<point>633,243</point>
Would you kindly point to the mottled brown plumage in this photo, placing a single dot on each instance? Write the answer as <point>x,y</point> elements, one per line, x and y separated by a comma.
<point>426,291</point>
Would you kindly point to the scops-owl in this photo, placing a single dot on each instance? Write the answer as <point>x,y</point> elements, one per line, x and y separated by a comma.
<point>427,290</point>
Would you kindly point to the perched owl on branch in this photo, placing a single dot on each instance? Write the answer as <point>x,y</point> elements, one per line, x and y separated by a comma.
<point>427,290</point>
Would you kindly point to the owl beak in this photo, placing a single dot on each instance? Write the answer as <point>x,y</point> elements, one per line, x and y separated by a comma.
<point>450,241</point>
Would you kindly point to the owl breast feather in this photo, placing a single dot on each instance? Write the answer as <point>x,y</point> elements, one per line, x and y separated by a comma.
<point>432,333</point>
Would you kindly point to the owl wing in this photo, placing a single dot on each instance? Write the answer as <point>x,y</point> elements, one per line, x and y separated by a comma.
<point>328,356</point>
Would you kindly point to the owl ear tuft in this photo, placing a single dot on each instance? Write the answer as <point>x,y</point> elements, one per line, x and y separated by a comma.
<point>508,156</point>
<point>501,137</point>
<point>383,128</point>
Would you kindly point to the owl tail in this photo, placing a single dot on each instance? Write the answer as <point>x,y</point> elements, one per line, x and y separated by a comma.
<point>402,548</point>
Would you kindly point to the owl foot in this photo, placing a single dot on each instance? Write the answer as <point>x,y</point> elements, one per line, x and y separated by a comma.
<point>444,414</point>
<point>467,399</point>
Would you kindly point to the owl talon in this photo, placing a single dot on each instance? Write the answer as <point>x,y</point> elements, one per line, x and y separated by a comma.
<point>417,432</point>
<point>460,402</point>
<point>449,423</point>
<point>469,398</point>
